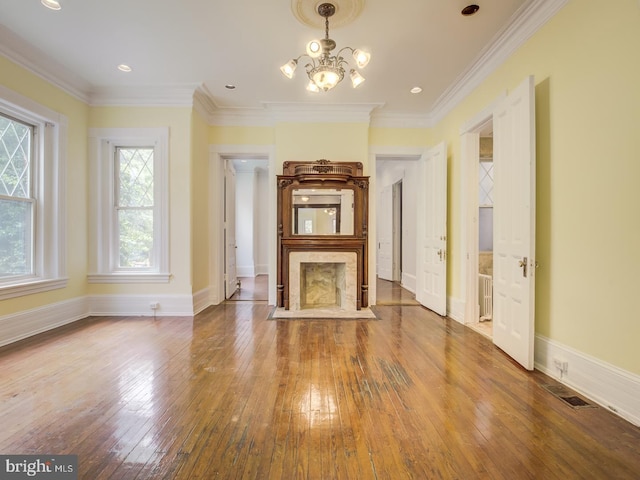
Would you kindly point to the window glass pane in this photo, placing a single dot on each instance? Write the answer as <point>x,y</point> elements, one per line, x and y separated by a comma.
<point>135,238</point>
<point>135,171</point>
<point>486,183</point>
<point>15,238</point>
<point>15,158</point>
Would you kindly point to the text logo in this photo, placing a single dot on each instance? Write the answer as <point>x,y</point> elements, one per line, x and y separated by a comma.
<point>45,467</point>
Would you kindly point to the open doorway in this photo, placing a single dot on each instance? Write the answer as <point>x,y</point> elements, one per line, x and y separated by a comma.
<point>484,321</point>
<point>395,219</point>
<point>248,205</point>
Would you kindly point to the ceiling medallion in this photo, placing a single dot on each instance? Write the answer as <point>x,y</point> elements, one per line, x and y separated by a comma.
<point>346,11</point>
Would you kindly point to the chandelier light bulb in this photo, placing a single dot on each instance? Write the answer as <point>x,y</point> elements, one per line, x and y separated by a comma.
<point>314,49</point>
<point>356,78</point>
<point>289,68</point>
<point>361,57</point>
<point>312,87</point>
<point>326,78</point>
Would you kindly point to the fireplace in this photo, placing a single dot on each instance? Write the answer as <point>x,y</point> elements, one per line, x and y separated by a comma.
<point>322,237</point>
<point>324,280</point>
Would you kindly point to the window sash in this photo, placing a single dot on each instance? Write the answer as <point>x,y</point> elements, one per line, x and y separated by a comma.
<point>135,233</point>
<point>19,205</point>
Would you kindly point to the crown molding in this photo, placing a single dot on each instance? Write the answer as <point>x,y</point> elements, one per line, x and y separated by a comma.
<point>149,96</point>
<point>398,120</point>
<point>241,117</point>
<point>321,113</point>
<point>524,23</point>
<point>35,61</point>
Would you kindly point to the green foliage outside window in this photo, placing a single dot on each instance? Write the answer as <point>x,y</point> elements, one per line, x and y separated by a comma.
<point>135,207</point>
<point>16,240</point>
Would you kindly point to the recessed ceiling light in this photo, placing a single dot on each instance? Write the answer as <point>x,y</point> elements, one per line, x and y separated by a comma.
<point>51,4</point>
<point>416,90</point>
<point>124,68</point>
<point>228,86</point>
<point>470,10</point>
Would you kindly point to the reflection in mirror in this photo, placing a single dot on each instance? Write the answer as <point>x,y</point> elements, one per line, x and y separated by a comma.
<point>323,212</point>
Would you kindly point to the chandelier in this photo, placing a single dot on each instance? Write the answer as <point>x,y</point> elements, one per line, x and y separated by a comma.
<point>325,71</point>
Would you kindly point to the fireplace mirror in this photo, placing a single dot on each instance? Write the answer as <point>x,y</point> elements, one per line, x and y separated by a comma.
<point>322,211</point>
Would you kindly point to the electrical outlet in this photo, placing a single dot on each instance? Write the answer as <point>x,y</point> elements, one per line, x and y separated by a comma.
<point>154,305</point>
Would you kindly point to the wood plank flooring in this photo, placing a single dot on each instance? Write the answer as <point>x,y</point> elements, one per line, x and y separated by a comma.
<point>231,394</point>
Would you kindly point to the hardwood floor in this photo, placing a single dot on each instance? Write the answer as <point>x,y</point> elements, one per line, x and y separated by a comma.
<point>230,394</point>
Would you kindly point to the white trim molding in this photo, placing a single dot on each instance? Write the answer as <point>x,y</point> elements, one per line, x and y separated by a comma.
<point>455,309</point>
<point>49,188</point>
<point>103,264</point>
<point>140,305</point>
<point>607,385</point>
<point>38,320</point>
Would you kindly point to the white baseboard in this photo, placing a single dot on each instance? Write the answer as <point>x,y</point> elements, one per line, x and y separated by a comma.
<point>609,386</point>
<point>455,309</point>
<point>248,271</point>
<point>409,282</point>
<point>203,299</point>
<point>38,320</point>
<point>139,305</point>
<point>262,269</point>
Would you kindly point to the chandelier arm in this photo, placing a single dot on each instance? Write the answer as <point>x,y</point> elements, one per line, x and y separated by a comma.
<point>346,48</point>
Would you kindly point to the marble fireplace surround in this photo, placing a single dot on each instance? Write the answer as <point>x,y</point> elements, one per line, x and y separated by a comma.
<point>346,277</point>
<point>348,290</point>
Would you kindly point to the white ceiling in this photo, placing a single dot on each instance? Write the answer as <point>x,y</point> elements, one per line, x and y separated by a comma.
<point>177,46</point>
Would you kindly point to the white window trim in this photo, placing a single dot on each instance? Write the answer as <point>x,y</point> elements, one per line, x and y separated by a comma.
<point>49,190</point>
<point>102,142</point>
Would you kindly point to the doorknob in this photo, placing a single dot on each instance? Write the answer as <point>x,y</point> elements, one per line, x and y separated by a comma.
<point>442,254</point>
<point>523,264</point>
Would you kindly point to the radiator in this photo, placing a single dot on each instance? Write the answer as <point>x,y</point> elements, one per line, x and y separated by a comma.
<point>485,294</point>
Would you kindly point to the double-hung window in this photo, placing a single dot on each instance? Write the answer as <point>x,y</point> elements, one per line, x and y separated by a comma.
<point>129,231</point>
<point>17,199</point>
<point>32,207</point>
<point>134,208</point>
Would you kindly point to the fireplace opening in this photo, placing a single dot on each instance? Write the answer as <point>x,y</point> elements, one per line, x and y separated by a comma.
<point>322,285</point>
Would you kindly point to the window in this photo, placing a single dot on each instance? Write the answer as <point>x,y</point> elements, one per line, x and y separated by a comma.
<point>129,234</point>
<point>134,207</point>
<point>32,249</point>
<point>17,202</point>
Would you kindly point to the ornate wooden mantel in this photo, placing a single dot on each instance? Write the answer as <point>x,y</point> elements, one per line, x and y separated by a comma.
<point>322,174</point>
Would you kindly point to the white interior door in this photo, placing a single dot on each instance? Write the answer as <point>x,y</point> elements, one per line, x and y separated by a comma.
<point>514,224</point>
<point>385,233</point>
<point>230,275</point>
<point>431,281</point>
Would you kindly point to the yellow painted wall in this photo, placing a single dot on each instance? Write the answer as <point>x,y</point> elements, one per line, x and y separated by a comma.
<point>401,137</point>
<point>339,142</point>
<point>200,214</point>
<point>223,135</point>
<point>76,112</point>
<point>586,66</point>
<point>178,119</point>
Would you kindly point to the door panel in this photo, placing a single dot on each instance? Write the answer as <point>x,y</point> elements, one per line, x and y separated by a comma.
<point>514,224</point>
<point>385,233</point>
<point>431,281</point>
<point>231,279</point>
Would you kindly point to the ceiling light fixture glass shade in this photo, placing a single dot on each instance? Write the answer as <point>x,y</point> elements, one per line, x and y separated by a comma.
<point>324,70</point>
<point>51,4</point>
